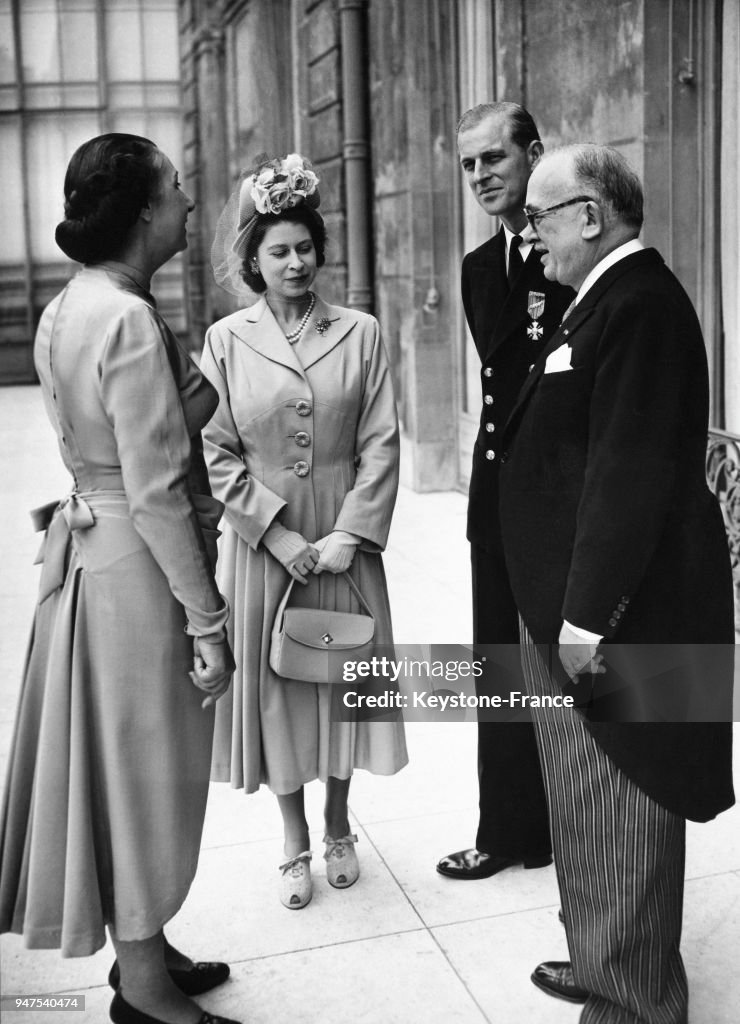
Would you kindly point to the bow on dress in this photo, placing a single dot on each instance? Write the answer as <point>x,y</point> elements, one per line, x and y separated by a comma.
<point>59,519</point>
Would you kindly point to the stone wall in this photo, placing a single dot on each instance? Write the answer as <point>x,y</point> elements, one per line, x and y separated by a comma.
<point>414,164</point>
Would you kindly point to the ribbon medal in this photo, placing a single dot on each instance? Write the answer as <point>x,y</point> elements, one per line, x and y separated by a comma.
<point>535,308</point>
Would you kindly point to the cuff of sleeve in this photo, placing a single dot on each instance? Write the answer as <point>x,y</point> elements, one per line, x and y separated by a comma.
<point>592,638</point>
<point>373,536</point>
<point>202,623</point>
<point>347,538</point>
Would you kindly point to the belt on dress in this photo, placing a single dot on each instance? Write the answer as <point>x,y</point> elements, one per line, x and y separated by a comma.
<point>79,510</point>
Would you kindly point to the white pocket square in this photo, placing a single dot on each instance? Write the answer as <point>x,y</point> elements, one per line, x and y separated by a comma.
<point>559,360</point>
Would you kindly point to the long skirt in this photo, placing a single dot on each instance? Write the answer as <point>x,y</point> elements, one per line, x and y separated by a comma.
<point>108,772</point>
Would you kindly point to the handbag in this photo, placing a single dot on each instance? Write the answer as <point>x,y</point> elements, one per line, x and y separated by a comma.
<point>307,644</point>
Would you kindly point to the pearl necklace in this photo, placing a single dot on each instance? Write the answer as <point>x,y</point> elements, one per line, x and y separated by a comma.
<point>295,334</point>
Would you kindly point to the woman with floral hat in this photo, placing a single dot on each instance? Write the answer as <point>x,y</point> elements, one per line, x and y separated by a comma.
<point>303,451</point>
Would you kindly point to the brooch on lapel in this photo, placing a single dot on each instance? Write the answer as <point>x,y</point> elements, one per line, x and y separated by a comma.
<point>535,308</point>
<point>323,325</point>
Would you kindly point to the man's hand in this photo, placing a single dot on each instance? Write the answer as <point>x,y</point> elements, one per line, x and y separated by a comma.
<point>578,655</point>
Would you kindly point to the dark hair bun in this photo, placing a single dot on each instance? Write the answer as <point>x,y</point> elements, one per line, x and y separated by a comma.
<point>110,179</point>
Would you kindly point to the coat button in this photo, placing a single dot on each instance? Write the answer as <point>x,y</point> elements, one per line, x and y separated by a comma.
<point>622,606</point>
<point>302,439</point>
<point>612,623</point>
<point>490,428</point>
<point>625,599</point>
<point>490,454</point>
<point>488,372</point>
<point>488,399</point>
<point>303,408</point>
<point>617,614</point>
<point>503,457</point>
<point>301,468</point>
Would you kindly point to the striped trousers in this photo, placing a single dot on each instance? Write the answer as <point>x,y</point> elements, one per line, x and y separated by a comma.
<point>619,859</point>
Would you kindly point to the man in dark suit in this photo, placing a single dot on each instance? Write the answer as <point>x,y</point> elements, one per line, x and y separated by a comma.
<point>615,544</point>
<point>511,311</point>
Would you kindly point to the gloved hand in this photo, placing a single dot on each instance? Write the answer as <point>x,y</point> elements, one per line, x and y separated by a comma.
<point>336,551</point>
<point>291,549</point>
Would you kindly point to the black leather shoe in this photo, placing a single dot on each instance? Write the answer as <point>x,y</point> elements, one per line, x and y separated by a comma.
<point>556,978</point>
<point>122,1012</point>
<point>472,864</point>
<point>201,977</point>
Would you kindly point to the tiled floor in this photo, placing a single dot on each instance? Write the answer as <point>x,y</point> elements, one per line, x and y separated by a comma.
<point>403,946</point>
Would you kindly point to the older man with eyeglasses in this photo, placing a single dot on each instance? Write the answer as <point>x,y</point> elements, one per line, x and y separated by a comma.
<point>614,544</point>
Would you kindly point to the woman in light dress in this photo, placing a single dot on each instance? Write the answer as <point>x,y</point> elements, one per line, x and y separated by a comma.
<point>303,451</point>
<point>108,772</point>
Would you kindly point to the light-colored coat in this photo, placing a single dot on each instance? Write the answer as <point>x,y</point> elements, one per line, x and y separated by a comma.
<point>314,440</point>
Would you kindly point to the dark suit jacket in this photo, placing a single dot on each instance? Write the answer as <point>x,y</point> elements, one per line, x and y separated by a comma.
<point>607,519</point>
<point>498,320</point>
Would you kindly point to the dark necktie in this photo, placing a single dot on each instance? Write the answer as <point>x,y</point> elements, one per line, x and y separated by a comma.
<point>515,260</point>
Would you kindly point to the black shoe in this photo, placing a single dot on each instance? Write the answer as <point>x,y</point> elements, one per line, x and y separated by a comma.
<point>472,864</point>
<point>122,1013</point>
<point>556,978</point>
<point>200,978</point>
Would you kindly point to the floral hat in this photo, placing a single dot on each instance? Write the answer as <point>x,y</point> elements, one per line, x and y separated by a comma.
<point>275,186</point>
<point>272,187</point>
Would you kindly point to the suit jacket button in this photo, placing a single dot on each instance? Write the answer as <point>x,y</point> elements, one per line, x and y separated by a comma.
<point>612,622</point>
<point>622,606</point>
<point>617,614</point>
<point>624,598</point>
<point>490,454</point>
<point>490,428</point>
<point>302,439</point>
<point>488,399</point>
<point>303,408</point>
<point>301,468</point>
<point>488,372</point>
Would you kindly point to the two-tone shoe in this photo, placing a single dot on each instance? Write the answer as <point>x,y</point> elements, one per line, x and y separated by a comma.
<point>342,866</point>
<point>296,887</point>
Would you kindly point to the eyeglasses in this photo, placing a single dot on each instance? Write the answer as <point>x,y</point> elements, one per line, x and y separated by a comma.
<point>535,215</point>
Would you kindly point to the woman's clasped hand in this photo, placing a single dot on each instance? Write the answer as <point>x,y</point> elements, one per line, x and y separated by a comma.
<point>292,550</point>
<point>332,553</point>
<point>336,551</point>
<point>213,667</point>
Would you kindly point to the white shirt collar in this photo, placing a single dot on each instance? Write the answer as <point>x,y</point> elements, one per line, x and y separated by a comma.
<point>634,245</point>
<point>524,248</point>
